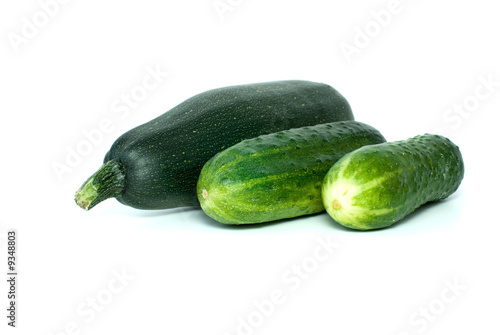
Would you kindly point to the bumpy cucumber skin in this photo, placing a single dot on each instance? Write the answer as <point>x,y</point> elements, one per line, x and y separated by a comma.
<point>279,175</point>
<point>377,185</point>
<point>162,158</point>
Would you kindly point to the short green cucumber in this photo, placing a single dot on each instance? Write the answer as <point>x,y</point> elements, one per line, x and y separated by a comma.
<point>156,165</point>
<point>378,185</point>
<point>278,175</point>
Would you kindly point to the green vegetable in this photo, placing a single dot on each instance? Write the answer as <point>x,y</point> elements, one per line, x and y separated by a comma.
<point>277,175</point>
<point>156,165</point>
<point>378,185</point>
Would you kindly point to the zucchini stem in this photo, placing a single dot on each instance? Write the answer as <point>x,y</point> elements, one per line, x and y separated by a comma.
<point>107,182</point>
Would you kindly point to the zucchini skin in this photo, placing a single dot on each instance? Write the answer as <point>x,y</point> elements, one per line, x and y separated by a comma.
<point>375,186</point>
<point>279,175</point>
<point>162,158</point>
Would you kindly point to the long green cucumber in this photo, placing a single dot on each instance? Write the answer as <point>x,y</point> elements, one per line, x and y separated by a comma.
<point>156,165</point>
<point>378,185</point>
<point>278,175</point>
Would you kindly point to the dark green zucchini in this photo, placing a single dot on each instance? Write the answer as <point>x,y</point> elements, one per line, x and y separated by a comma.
<point>156,165</point>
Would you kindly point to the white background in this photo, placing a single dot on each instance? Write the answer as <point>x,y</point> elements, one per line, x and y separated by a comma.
<point>183,273</point>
